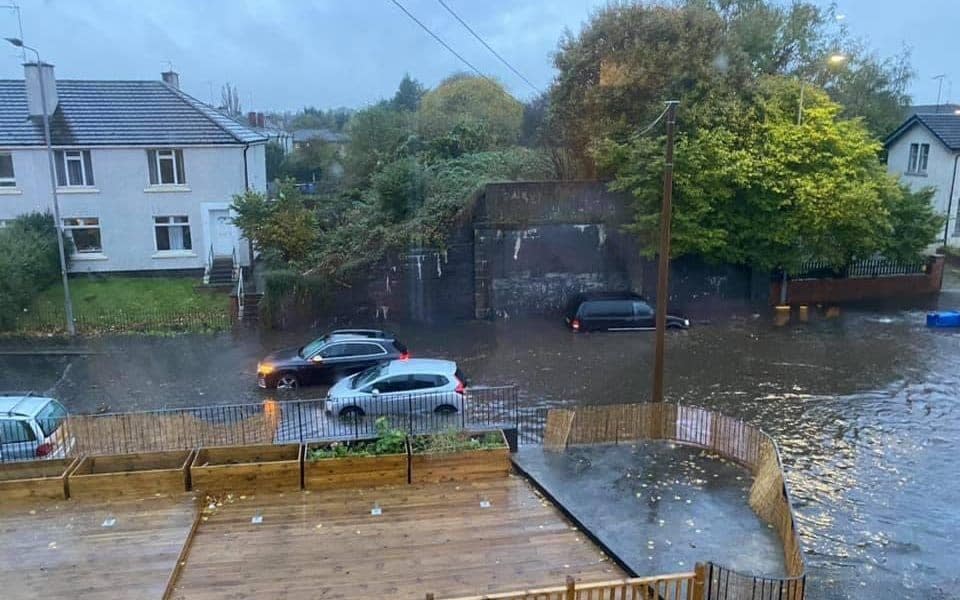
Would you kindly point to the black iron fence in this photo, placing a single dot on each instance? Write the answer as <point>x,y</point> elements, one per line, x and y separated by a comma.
<point>725,584</point>
<point>267,422</point>
<point>878,267</point>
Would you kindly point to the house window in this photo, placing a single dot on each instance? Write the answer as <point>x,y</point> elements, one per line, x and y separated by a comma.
<point>74,168</point>
<point>172,233</point>
<point>919,154</point>
<point>6,170</point>
<point>85,233</point>
<point>166,167</point>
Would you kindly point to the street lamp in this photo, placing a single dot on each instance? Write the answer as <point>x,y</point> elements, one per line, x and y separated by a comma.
<point>67,303</point>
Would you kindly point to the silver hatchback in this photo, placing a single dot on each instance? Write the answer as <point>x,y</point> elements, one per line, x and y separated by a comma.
<point>399,387</point>
<point>32,427</point>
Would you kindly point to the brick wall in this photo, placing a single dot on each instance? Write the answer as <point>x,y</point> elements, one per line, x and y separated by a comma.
<point>826,291</point>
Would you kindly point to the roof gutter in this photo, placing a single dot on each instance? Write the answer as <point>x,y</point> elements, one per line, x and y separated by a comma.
<point>246,171</point>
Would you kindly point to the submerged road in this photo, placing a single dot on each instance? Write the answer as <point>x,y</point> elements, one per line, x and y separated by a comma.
<point>865,407</point>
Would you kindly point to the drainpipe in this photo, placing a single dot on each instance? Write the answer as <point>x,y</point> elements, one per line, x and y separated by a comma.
<point>246,172</point>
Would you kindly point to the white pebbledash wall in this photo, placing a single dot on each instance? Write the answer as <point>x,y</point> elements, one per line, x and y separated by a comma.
<point>938,175</point>
<point>125,203</point>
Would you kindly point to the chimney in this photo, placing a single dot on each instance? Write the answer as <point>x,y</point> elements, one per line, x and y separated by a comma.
<point>171,78</point>
<point>252,119</point>
<point>260,120</point>
<point>32,76</point>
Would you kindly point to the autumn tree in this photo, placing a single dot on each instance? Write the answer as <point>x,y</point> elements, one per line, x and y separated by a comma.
<point>475,102</point>
<point>282,229</point>
<point>753,187</point>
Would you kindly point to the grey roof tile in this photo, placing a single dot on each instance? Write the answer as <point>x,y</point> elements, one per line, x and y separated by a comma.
<point>92,113</point>
<point>945,126</point>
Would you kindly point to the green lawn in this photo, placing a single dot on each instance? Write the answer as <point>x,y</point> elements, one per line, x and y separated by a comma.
<point>151,304</point>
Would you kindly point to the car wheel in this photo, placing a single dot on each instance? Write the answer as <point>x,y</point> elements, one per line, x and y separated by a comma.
<point>351,412</point>
<point>287,381</point>
<point>445,409</point>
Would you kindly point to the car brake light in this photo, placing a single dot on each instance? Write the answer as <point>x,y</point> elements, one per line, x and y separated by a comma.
<point>44,449</point>
<point>460,389</point>
<point>575,324</point>
<point>404,356</point>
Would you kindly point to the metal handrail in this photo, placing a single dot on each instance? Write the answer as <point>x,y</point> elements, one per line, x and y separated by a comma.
<point>240,296</point>
<point>210,257</point>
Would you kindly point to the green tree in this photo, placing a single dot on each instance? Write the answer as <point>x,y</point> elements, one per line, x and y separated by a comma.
<point>376,135</point>
<point>400,188</point>
<point>313,161</point>
<point>274,159</point>
<point>29,262</point>
<point>471,101</point>
<point>408,94</point>
<point>755,188</point>
<point>282,229</point>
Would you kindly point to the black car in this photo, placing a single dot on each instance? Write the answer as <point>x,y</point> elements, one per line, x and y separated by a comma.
<point>614,311</point>
<point>329,358</point>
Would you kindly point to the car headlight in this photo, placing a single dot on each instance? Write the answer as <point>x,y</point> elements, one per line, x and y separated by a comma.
<point>264,369</point>
<point>686,322</point>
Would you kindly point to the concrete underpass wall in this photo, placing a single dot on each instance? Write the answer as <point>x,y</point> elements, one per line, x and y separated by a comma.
<point>536,243</point>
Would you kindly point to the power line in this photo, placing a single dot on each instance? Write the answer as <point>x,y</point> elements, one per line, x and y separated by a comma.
<point>487,46</point>
<point>442,43</point>
<point>657,120</point>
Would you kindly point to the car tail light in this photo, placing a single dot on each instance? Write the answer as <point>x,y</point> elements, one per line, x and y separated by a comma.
<point>44,449</point>
<point>460,389</point>
<point>404,356</point>
<point>575,324</point>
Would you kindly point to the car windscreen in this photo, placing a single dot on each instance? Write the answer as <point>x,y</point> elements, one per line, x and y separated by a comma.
<point>51,417</point>
<point>365,377</point>
<point>311,348</point>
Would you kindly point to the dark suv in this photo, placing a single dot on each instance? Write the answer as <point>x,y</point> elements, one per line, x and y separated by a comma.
<point>328,358</point>
<point>614,311</point>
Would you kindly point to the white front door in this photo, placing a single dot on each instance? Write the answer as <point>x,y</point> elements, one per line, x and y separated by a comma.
<point>221,232</point>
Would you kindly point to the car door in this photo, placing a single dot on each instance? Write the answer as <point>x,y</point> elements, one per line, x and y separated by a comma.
<point>333,358</point>
<point>18,441</point>
<point>643,315</point>
<point>388,396</point>
<point>362,356</point>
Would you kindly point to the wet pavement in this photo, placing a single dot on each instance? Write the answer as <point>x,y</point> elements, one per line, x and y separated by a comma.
<point>660,507</point>
<point>865,407</point>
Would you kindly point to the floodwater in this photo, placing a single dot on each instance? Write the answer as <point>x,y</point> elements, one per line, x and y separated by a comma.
<point>865,407</point>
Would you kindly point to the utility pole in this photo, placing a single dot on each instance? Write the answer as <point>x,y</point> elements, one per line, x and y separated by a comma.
<point>939,79</point>
<point>663,268</point>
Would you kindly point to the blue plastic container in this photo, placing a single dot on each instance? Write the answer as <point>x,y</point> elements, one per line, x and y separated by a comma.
<point>943,318</point>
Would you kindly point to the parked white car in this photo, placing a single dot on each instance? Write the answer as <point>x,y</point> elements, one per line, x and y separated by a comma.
<point>398,387</point>
<point>31,427</point>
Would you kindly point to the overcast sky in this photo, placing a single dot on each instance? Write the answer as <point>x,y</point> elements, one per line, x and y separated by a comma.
<point>285,54</point>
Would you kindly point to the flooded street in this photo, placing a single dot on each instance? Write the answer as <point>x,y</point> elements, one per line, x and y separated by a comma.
<point>865,407</point>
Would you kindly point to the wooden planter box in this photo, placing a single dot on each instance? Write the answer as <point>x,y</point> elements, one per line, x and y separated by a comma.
<point>353,471</point>
<point>468,465</point>
<point>248,469</point>
<point>131,475</point>
<point>35,480</point>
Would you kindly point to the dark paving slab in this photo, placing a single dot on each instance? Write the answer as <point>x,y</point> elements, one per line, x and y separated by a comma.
<point>660,507</point>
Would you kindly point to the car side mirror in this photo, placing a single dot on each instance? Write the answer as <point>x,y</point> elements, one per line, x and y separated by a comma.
<point>317,359</point>
<point>375,392</point>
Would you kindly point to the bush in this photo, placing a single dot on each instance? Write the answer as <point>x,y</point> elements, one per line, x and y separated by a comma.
<point>289,295</point>
<point>29,262</point>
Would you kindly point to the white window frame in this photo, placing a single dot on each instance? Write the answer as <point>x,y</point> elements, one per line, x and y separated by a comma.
<point>918,158</point>
<point>76,156</point>
<point>170,223</point>
<point>9,182</point>
<point>175,156</point>
<point>83,224</point>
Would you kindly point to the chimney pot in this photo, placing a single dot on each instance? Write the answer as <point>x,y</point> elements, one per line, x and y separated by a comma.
<point>171,78</point>
<point>252,119</point>
<point>33,73</point>
<point>260,120</point>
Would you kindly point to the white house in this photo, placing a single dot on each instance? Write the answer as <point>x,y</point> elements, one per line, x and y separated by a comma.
<point>145,174</point>
<point>925,151</point>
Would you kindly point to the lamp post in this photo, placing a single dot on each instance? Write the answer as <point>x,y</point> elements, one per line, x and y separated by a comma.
<point>833,59</point>
<point>67,302</point>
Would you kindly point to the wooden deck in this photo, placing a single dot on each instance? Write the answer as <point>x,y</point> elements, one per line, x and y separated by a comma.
<point>429,538</point>
<point>61,549</point>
